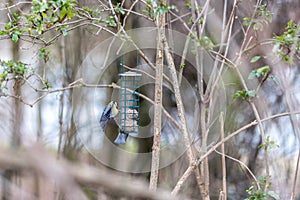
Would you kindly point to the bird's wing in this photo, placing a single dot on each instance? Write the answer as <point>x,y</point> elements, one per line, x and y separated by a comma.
<point>106,114</point>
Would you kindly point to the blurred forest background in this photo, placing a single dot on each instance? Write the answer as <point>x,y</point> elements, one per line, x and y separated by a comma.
<point>219,115</point>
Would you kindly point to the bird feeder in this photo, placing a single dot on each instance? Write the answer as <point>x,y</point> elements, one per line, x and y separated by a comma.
<point>129,102</point>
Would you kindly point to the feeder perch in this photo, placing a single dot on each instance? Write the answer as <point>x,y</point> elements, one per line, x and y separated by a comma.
<point>129,102</point>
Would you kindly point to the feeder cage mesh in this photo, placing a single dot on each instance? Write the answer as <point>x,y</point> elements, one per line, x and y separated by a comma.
<point>129,102</point>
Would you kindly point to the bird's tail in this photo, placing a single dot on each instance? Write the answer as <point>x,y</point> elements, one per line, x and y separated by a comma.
<point>122,137</point>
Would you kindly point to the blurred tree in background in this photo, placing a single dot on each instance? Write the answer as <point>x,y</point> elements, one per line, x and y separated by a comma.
<point>219,116</point>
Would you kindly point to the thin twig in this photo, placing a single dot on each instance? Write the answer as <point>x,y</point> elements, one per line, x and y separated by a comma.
<point>15,5</point>
<point>224,192</point>
<point>130,10</point>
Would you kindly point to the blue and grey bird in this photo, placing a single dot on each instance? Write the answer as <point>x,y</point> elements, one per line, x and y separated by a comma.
<point>110,111</point>
<point>122,137</point>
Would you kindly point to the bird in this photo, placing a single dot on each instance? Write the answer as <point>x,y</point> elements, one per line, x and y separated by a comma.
<point>110,111</point>
<point>122,137</point>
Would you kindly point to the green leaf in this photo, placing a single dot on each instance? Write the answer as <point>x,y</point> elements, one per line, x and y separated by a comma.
<point>40,29</point>
<point>63,13</point>
<point>47,85</point>
<point>244,94</point>
<point>3,32</point>
<point>15,37</point>
<point>205,42</point>
<point>44,54</point>
<point>259,72</point>
<point>64,31</point>
<point>246,21</point>
<point>111,21</point>
<point>240,93</point>
<point>44,15</point>
<point>119,9</point>
<point>201,20</point>
<point>251,93</point>
<point>188,4</point>
<point>252,74</point>
<point>289,24</point>
<point>273,195</point>
<point>8,26</point>
<point>3,76</point>
<point>256,26</point>
<point>173,7</point>
<point>286,41</point>
<point>254,59</point>
<point>264,69</point>
<point>44,7</point>
<point>70,12</point>
<point>162,8</point>
<point>261,179</point>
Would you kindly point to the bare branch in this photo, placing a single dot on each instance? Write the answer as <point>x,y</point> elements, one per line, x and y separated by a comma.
<point>190,169</point>
<point>160,23</point>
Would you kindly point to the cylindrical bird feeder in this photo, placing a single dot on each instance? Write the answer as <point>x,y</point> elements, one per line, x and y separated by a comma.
<point>129,102</point>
